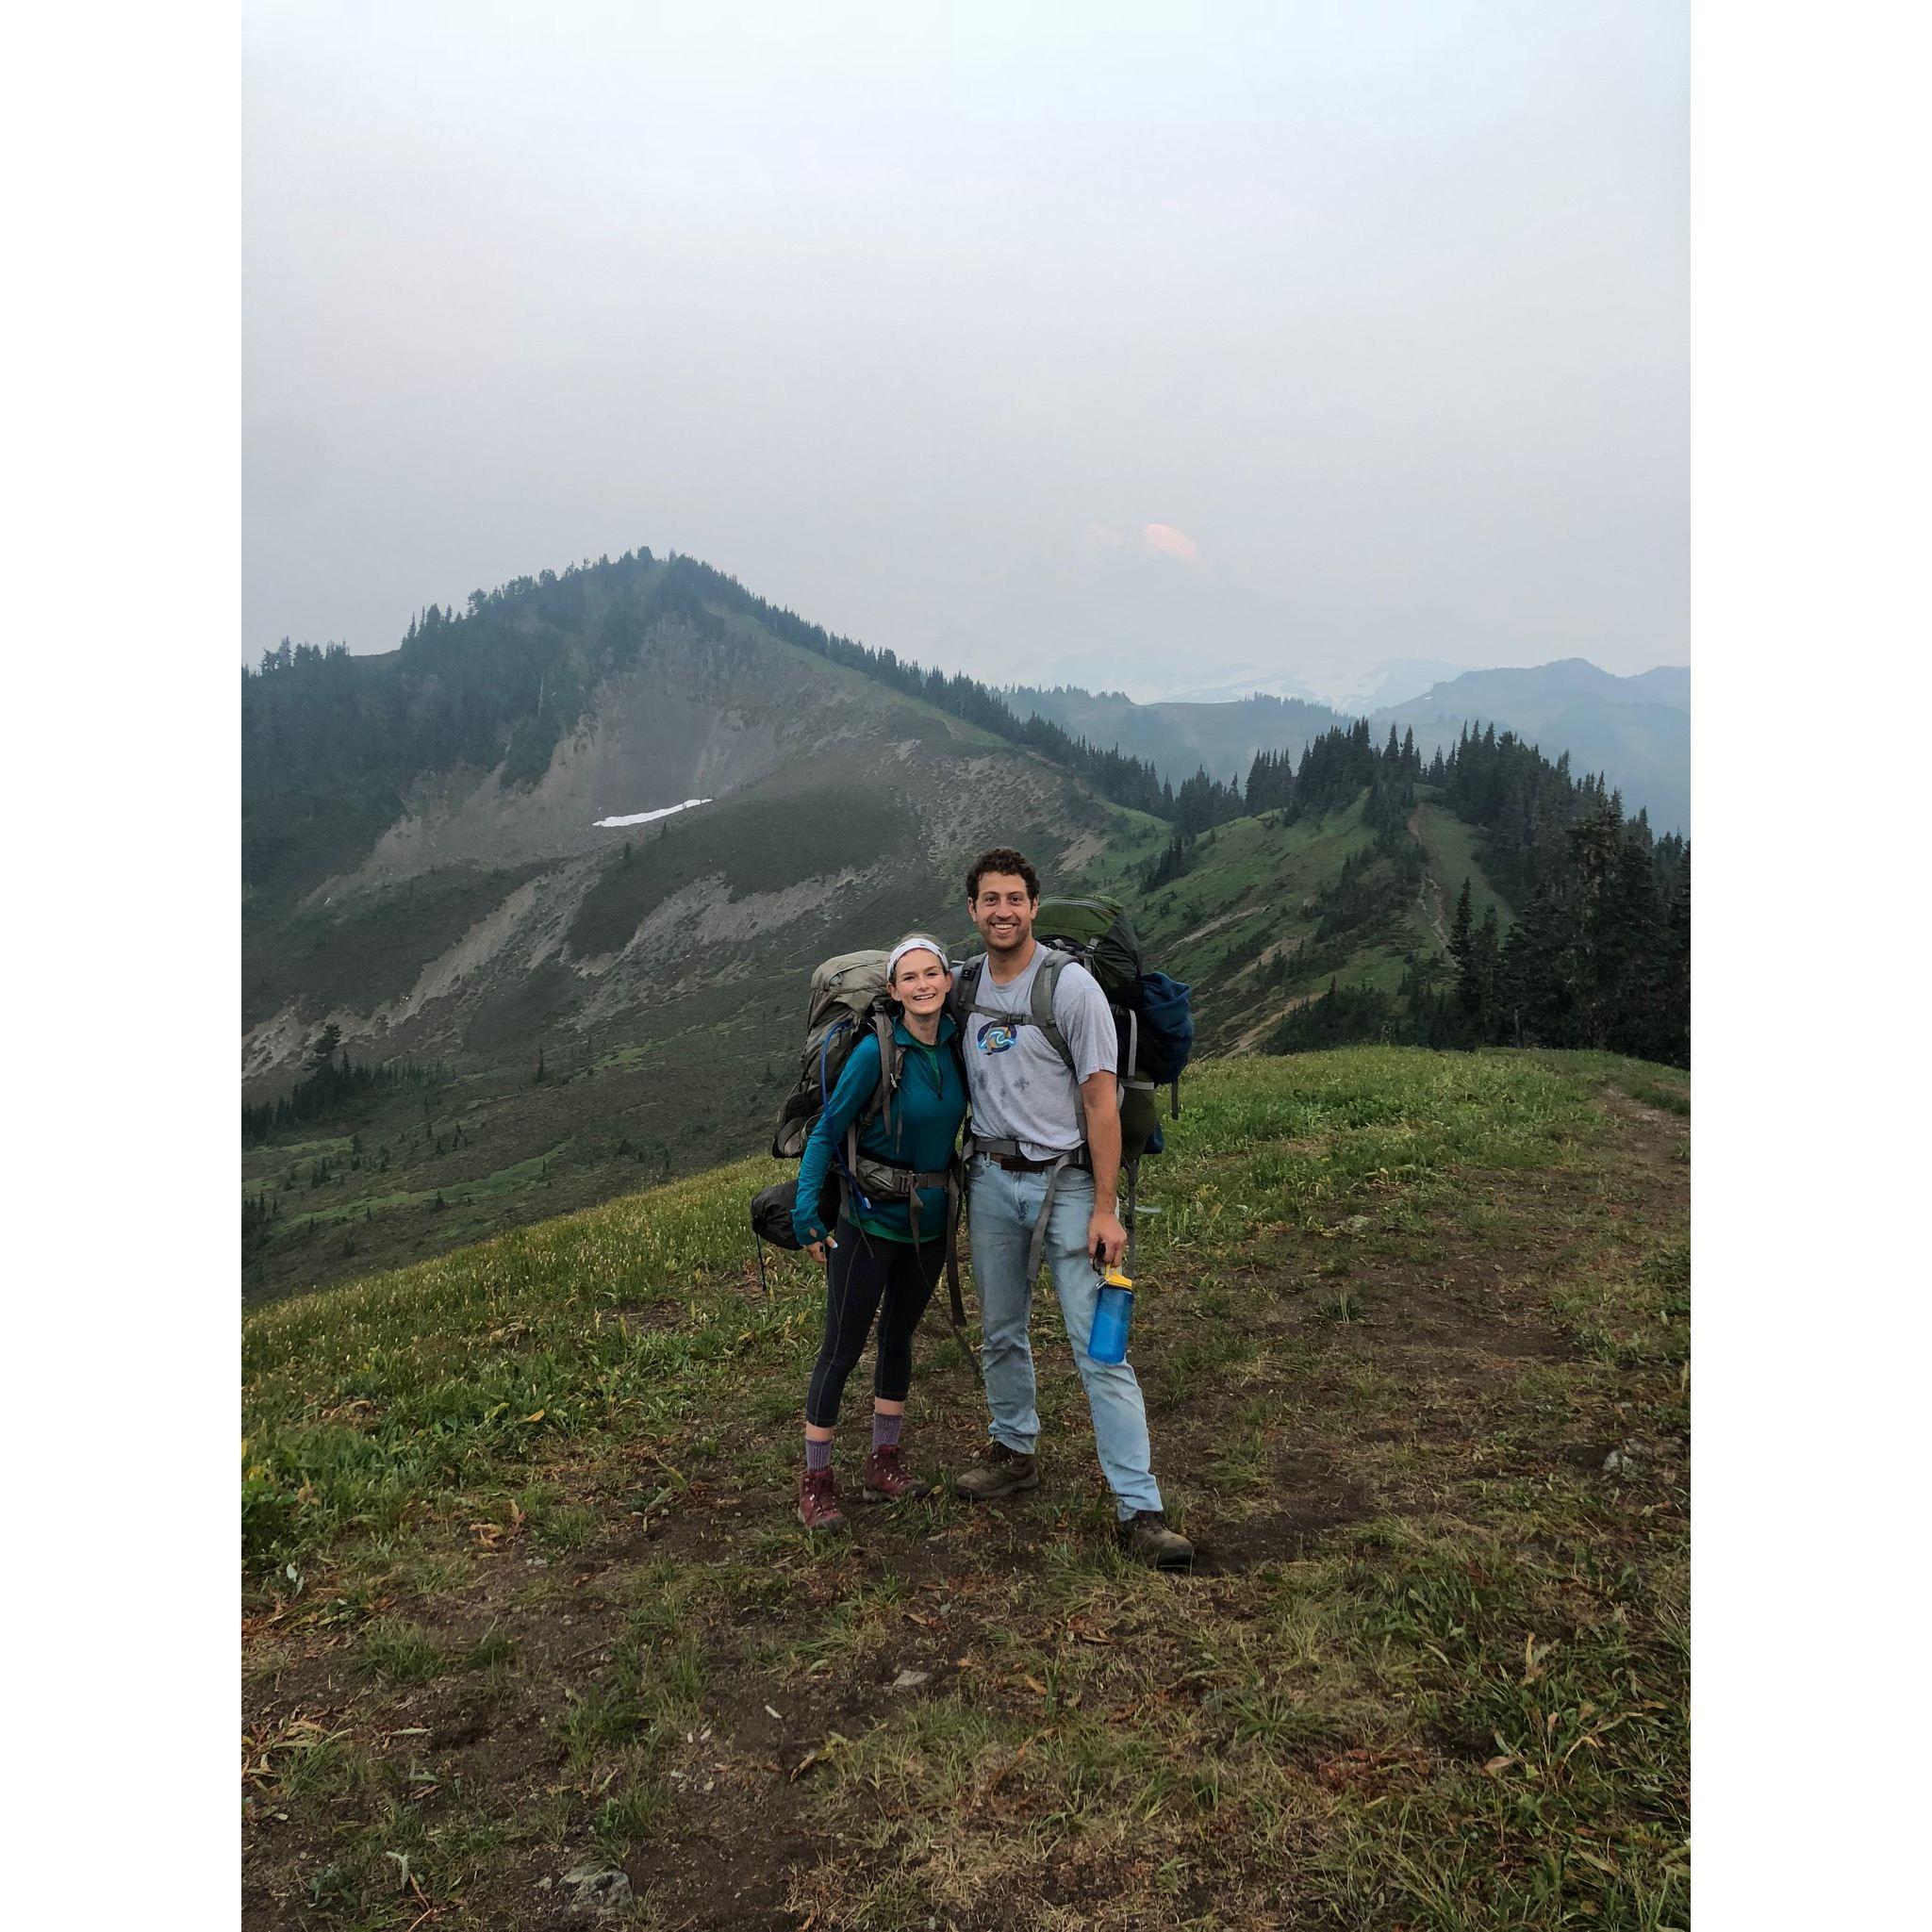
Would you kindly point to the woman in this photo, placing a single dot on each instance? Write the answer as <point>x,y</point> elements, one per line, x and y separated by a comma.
<point>875,1266</point>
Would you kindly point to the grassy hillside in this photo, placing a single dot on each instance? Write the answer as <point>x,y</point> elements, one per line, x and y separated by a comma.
<point>687,1073</point>
<point>1451,847</point>
<point>688,1076</point>
<point>1255,928</point>
<point>525,1603</point>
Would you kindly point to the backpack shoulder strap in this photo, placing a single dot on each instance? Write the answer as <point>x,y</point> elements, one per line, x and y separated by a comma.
<point>965,989</point>
<point>1039,1012</point>
<point>891,1062</point>
<point>1047,984</point>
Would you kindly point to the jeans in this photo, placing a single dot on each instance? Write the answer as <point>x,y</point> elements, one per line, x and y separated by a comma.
<point>1002,1209</point>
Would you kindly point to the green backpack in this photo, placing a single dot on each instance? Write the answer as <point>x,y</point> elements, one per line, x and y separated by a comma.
<point>847,1001</point>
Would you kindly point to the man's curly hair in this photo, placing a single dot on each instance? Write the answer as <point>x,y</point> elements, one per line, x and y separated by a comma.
<point>1001,858</point>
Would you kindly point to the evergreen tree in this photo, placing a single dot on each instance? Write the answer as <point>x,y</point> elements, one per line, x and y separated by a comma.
<point>1171,862</point>
<point>1485,971</point>
<point>1541,971</point>
<point>1460,930</point>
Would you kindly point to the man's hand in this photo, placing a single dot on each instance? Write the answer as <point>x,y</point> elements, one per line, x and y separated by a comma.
<point>1106,1235</point>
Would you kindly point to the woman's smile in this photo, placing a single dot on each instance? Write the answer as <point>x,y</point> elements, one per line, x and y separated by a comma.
<point>922,982</point>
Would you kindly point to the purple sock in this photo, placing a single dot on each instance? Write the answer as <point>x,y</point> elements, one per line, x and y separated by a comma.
<point>818,1455</point>
<point>886,1430</point>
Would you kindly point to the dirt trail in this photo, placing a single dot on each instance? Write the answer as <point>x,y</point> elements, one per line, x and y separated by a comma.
<point>1429,894</point>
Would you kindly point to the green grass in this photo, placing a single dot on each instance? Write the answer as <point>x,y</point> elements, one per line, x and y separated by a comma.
<point>1454,848</point>
<point>1240,923</point>
<point>401,1653</point>
<point>517,1521</point>
<point>495,1185</point>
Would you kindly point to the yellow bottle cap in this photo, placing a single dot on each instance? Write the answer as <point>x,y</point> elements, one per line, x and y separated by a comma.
<point>1115,1278</point>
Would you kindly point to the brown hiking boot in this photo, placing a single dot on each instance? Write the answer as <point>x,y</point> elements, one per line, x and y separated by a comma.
<point>999,1472</point>
<point>1145,1537</point>
<point>819,1501</point>
<point>886,1482</point>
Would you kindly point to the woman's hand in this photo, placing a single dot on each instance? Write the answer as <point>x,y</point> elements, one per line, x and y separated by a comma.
<point>817,1250</point>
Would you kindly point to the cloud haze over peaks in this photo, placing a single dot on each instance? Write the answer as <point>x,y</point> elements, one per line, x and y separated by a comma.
<point>1163,338</point>
<point>1165,540</point>
<point>1157,540</point>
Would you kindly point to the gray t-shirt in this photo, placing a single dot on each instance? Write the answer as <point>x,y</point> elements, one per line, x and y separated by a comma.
<point>1020,1087</point>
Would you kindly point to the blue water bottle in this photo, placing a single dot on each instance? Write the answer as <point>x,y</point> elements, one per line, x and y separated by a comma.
<point>1113,1316</point>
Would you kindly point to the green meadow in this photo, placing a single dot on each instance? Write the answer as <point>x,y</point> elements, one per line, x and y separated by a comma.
<point>525,1600</point>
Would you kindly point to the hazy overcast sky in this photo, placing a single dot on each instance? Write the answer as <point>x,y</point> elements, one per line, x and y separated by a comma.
<point>1013,337</point>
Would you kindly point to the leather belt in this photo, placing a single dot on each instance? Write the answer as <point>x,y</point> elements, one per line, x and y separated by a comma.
<point>1018,1164</point>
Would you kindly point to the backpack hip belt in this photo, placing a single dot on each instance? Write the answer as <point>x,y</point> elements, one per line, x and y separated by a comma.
<point>891,1180</point>
<point>863,1176</point>
<point>883,1177</point>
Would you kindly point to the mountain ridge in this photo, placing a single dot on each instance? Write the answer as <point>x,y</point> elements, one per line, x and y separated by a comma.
<point>1634,730</point>
<point>594,997</point>
<point>561,1007</point>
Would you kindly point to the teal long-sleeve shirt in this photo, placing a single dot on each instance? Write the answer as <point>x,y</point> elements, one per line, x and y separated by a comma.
<point>926,1115</point>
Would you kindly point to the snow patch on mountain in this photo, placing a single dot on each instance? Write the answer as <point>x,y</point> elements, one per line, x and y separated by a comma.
<point>645,818</point>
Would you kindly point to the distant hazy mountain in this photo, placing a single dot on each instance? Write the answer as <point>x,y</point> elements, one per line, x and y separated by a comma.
<point>1352,689</point>
<point>1669,683</point>
<point>1180,738</point>
<point>1636,730</point>
<point>1547,687</point>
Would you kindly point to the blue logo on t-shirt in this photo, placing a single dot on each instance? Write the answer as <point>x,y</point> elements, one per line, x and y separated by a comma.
<point>997,1036</point>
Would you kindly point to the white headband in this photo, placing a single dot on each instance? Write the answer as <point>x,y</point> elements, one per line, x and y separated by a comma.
<point>917,943</point>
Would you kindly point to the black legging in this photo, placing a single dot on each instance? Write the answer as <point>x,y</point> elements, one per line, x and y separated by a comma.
<point>864,1271</point>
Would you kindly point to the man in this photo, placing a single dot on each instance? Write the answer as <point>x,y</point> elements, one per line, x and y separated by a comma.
<point>1047,1156</point>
